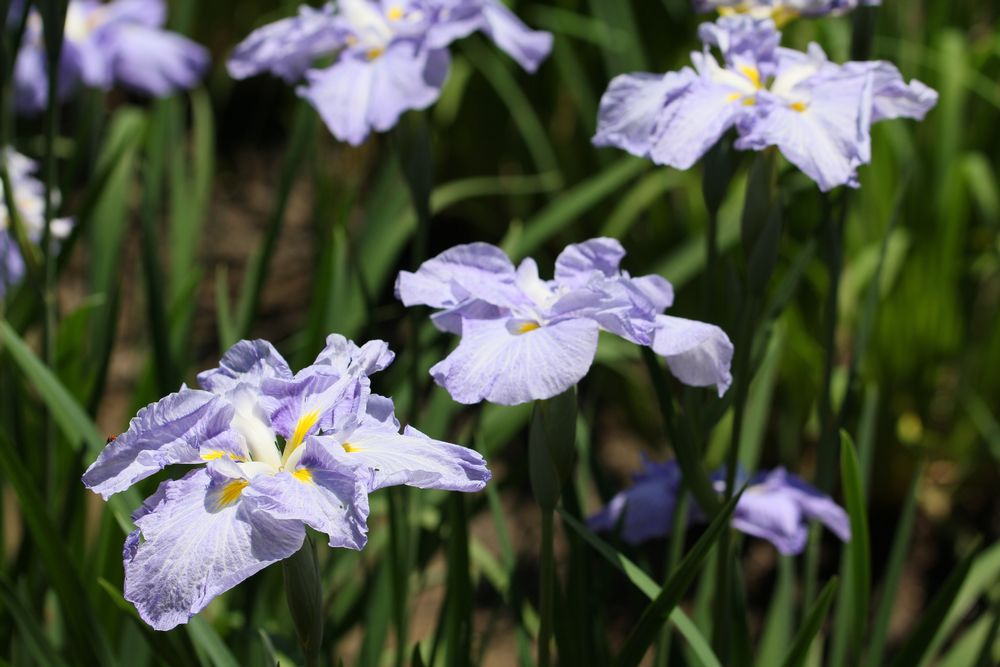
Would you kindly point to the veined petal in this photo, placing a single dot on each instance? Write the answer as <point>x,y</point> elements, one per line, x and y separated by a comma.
<point>152,13</point>
<point>317,492</point>
<point>826,136</point>
<point>247,363</point>
<point>695,121</point>
<point>199,541</point>
<point>577,265</point>
<point>892,97</point>
<point>465,272</point>
<point>492,363</point>
<point>341,356</point>
<point>287,48</point>
<point>697,353</point>
<point>172,430</point>
<point>528,47</point>
<point>634,107</point>
<point>384,458</point>
<point>369,91</point>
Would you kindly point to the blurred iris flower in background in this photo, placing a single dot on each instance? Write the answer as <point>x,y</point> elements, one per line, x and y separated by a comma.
<point>247,504</point>
<point>776,506</point>
<point>782,10</point>
<point>29,202</point>
<point>524,338</point>
<point>390,56</point>
<point>121,43</point>
<point>817,113</point>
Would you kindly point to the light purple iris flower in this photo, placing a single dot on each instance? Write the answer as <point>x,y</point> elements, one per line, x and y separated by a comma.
<point>247,504</point>
<point>29,200</point>
<point>118,43</point>
<point>390,56</point>
<point>525,339</point>
<point>776,506</point>
<point>783,9</point>
<point>817,113</point>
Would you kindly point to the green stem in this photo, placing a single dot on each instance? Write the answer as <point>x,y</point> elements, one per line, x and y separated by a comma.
<point>304,593</point>
<point>399,552</point>
<point>547,586</point>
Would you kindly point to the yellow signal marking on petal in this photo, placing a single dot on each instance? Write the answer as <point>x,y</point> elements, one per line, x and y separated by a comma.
<point>349,448</point>
<point>753,74</point>
<point>727,11</point>
<point>732,97</point>
<point>750,101</point>
<point>528,326</point>
<point>218,454</point>
<point>231,492</point>
<point>302,428</point>
<point>799,106</point>
<point>783,16</point>
<point>304,475</point>
<point>373,54</point>
<point>395,13</point>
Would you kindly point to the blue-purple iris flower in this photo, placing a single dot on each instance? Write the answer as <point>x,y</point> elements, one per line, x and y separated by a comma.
<point>777,506</point>
<point>29,200</point>
<point>524,338</point>
<point>818,113</point>
<point>248,502</point>
<point>782,10</point>
<point>120,43</point>
<point>389,56</point>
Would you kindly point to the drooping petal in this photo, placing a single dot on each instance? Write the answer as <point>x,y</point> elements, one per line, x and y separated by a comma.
<point>317,492</point>
<point>528,47</point>
<point>826,136</point>
<point>369,91</point>
<point>774,517</point>
<point>287,48</point>
<point>198,542</point>
<point>341,356</point>
<point>462,273</point>
<point>172,430</point>
<point>152,61</point>
<point>697,353</point>
<point>495,364</point>
<point>815,505</point>
<point>384,458</point>
<point>635,105</point>
<point>247,363</point>
<point>892,97</point>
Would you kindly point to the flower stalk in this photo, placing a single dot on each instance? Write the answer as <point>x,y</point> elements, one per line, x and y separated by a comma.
<point>304,593</point>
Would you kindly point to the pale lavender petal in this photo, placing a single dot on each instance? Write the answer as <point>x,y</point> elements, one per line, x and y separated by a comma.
<point>247,363</point>
<point>816,505</point>
<point>172,430</point>
<point>152,61</point>
<point>892,97</point>
<point>694,122</point>
<point>775,517</point>
<point>382,458</point>
<point>826,136</point>
<point>697,353</point>
<point>195,547</point>
<point>493,363</point>
<point>364,92</point>
<point>634,106</point>
<point>579,263</point>
<point>318,493</point>
<point>152,13</point>
<point>314,401</point>
<point>287,48</point>
<point>465,272</point>
<point>341,356</point>
<point>742,36</point>
<point>528,47</point>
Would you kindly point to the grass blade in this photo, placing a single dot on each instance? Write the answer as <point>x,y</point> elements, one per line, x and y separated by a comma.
<point>658,611</point>
<point>687,629</point>
<point>859,549</point>
<point>814,620</point>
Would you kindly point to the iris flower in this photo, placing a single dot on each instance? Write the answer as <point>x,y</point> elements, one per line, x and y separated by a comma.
<point>121,43</point>
<point>776,506</point>
<point>29,199</point>
<point>389,56</point>
<point>782,10</point>
<point>524,338</point>
<point>248,501</point>
<point>818,113</point>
